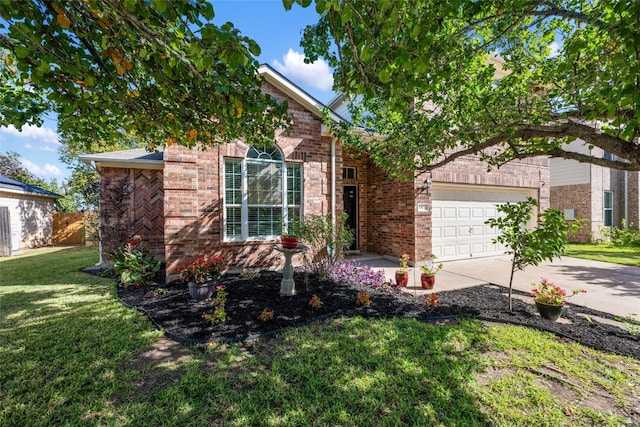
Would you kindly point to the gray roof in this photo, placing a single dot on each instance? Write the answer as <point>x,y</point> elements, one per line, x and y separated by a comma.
<point>11,184</point>
<point>136,155</point>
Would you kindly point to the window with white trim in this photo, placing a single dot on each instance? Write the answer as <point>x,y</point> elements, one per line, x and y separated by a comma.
<point>263,194</point>
<point>608,208</point>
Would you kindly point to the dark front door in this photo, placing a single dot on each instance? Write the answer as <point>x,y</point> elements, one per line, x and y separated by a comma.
<point>350,201</point>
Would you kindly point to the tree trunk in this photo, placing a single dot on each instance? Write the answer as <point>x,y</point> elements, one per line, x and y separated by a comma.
<point>513,268</point>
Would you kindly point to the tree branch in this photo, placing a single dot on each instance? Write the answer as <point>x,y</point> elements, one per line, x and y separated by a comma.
<point>626,150</point>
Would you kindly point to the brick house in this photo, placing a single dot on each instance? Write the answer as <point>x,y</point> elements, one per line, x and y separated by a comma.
<point>233,199</point>
<point>601,197</point>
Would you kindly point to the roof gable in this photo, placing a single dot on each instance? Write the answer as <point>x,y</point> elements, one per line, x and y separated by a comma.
<point>295,92</point>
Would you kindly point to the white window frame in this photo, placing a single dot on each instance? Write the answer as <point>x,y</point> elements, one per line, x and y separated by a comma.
<point>606,209</point>
<point>244,207</point>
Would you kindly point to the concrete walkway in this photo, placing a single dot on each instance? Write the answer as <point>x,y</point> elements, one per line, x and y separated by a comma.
<point>611,288</point>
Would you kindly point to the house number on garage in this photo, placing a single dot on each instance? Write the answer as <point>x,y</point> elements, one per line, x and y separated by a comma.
<point>423,207</point>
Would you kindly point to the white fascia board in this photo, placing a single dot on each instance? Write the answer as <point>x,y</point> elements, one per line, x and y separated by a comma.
<point>304,99</point>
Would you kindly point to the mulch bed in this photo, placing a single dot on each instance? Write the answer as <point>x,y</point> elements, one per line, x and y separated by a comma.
<point>171,309</point>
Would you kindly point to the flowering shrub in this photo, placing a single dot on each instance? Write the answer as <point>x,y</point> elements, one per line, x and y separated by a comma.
<point>315,302</point>
<point>404,264</point>
<point>350,273</point>
<point>363,298</point>
<point>134,264</point>
<point>202,269</point>
<point>266,315</point>
<point>219,314</point>
<point>548,293</point>
<point>431,301</point>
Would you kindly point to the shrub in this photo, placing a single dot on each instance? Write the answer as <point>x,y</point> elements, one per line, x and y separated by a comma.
<point>326,242</point>
<point>219,314</point>
<point>351,273</point>
<point>363,299</point>
<point>133,264</point>
<point>266,315</point>
<point>623,236</point>
<point>315,302</point>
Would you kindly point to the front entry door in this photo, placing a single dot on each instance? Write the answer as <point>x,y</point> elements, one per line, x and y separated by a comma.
<point>350,201</point>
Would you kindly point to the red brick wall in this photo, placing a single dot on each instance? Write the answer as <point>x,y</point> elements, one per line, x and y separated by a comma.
<point>194,193</point>
<point>390,223</point>
<point>385,207</point>
<point>576,197</point>
<point>138,210</point>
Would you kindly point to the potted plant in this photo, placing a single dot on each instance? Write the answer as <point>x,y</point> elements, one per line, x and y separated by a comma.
<point>201,276</point>
<point>402,274</point>
<point>290,238</point>
<point>551,298</point>
<point>289,241</point>
<point>428,273</point>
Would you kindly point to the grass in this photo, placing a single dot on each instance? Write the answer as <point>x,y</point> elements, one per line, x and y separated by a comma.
<point>70,354</point>
<point>625,255</point>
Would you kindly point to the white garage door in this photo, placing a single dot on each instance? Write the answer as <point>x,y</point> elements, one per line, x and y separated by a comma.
<point>458,216</point>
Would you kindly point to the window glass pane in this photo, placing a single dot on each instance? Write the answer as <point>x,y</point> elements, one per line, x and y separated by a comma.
<point>264,152</point>
<point>608,208</point>
<point>233,222</point>
<point>294,184</point>
<point>233,181</point>
<point>264,183</point>
<point>608,218</point>
<point>265,221</point>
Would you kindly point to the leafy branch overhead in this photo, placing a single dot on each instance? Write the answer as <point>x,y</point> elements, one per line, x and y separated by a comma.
<point>156,71</point>
<point>499,80</point>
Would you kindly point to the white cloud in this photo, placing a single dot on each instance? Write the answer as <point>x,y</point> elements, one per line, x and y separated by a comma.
<point>40,134</point>
<point>317,75</point>
<point>41,171</point>
<point>28,146</point>
<point>555,49</point>
<point>47,148</point>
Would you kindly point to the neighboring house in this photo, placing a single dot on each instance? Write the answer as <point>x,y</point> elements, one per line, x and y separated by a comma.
<point>600,196</point>
<point>26,215</point>
<point>234,199</point>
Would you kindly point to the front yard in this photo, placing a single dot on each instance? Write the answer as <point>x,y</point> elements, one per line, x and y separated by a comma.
<point>71,354</point>
<point>625,255</point>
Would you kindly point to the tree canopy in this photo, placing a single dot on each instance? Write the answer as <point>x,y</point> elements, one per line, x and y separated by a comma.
<point>157,71</point>
<point>499,79</point>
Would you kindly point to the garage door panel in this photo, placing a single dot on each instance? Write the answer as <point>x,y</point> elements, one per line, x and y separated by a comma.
<point>449,213</point>
<point>458,220</point>
<point>449,232</point>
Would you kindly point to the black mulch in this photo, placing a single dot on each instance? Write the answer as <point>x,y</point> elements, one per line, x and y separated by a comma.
<point>170,307</point>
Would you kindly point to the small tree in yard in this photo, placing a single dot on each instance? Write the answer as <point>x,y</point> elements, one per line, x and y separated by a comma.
<point>529,247</point>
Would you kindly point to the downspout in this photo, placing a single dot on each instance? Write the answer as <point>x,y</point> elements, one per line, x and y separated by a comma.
<point>333,182</point>
<point>626,199</point>
<point>93,165</point>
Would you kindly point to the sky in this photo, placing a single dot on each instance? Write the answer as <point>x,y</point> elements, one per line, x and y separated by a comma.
<point>277,31</point>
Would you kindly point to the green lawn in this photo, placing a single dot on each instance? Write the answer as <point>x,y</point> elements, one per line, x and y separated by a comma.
<point>71,354</point>
<point>624,255</point>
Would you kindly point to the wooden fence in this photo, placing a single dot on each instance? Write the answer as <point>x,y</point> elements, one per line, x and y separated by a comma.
<point>74,228</point>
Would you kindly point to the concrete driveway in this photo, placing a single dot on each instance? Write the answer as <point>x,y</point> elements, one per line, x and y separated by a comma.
<point>611,288</point>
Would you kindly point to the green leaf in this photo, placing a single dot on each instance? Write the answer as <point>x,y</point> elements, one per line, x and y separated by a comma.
<point>21,52</point>
<point>160,5</point>
<point>384,76</point>
<point>288,4</point>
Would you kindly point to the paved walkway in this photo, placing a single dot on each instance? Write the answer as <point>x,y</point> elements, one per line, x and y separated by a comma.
<point>611,288</point>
